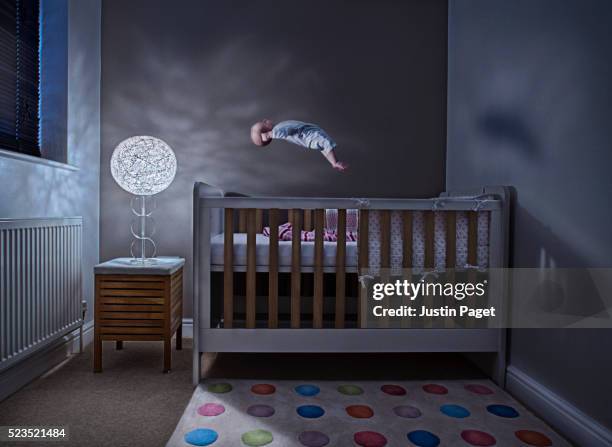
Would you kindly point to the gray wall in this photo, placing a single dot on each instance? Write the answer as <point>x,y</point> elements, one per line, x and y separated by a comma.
<point>198,73</point>
<point>529,105</point>
<point>36,190</point>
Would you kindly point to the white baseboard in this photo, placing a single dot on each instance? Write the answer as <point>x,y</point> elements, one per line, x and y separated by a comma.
<point>18,376</point>
<point>568,420</point>
<point>188,327</point>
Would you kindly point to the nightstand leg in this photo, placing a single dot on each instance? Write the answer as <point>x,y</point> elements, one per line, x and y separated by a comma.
<point>179,338</point>
<point>167,354</point>
<point>98,354</point>
<point>119,345</point>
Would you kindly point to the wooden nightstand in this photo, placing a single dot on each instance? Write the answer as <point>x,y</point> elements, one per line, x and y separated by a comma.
<point>138,303</point>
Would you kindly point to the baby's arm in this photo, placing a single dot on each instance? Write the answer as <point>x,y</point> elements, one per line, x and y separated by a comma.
<point>331,157</point>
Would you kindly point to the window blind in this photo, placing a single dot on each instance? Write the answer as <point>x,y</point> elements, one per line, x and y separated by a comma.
<point>19,76</point>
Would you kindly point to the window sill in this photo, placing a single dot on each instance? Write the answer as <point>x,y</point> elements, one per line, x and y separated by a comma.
<point>39,160</point>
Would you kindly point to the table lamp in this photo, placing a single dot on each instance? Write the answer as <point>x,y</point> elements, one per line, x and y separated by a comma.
<point>143,166</point>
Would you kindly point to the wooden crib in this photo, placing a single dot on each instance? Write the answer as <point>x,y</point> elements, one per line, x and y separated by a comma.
<point>230,253</point>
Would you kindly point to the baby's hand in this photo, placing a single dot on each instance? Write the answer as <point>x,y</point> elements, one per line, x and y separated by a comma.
<point>340,166</point>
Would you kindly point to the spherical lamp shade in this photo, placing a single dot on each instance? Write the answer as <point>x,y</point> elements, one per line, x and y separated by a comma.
<point>143,165</point>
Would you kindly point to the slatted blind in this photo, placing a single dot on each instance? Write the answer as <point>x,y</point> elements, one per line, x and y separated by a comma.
<point>19,75</point>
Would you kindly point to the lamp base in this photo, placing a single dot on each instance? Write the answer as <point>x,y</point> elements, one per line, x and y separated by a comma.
<point>143,261</point>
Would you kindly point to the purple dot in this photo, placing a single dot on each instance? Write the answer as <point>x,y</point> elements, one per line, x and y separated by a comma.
<point>211,410</point>
<point>260,411</point>
<point>407,411</point>
<point>478,389</point>
<point>313,439</point>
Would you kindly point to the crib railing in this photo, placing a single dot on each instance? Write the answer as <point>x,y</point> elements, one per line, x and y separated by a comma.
<point>249,214</point>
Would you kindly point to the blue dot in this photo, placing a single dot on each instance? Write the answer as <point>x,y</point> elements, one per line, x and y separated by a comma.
<point>201,436</point>
<point>423,438</point>
<point>307,390</point>
<point>455,411</point>
<point>310,411</point>
<point>503,411</point>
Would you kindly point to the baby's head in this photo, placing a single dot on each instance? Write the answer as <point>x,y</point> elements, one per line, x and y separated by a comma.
<point>261,132</point>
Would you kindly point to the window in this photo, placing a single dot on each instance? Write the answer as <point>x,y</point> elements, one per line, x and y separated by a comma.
<point>20,76</point>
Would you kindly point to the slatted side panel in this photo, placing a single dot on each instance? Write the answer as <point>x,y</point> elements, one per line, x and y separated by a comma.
<point>40,277</point>
<point>131,306</point>
<point>273,271</point>
<point>251,274</point>
<point>228,270</point>
<point>176,300</point>
<point>341,271</point>
<point>296,275</point>
<point>317,312</point>
<point>363,261</point>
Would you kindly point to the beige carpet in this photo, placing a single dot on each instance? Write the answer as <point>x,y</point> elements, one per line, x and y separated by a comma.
<point>133,404</point>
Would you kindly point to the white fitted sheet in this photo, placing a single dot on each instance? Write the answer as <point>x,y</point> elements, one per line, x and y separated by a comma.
<point>284,252</point>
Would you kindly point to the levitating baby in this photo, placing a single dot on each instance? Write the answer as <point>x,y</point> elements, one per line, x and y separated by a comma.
<point>308,135</point>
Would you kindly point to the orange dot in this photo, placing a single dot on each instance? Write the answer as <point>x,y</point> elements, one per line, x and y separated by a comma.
<point>263,388</point>
<point>534,438</point>
<point>360,411</point>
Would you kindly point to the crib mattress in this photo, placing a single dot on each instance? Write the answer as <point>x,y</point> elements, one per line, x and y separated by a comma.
<point>284,252</point>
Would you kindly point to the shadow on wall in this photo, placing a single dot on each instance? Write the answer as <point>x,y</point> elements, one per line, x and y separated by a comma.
<point>575,294</point>
<point>508,127</point>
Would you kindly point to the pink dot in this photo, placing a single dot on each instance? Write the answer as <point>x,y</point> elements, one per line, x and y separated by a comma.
<point>478,438</point>
<point>393,390</point>
<point>211,410</point>
<point>434,388</point>
<point>478,389</point>
<point>369,439</point>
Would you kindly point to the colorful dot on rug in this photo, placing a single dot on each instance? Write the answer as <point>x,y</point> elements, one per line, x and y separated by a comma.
<point>407,411</point>
<point>503,411</point>
<point>369,439</point>
<point>313,438</point>
<point>310,411</point>
<point>211,410</point>
<point>359,411</point>
<point>454,411</point>
<point>478,389</point>
<point>307,390</point>
<point>201,437</point>
<point>219,388</point>
<point>434,388</point>
<point>350,390</point>
<point>534,438</point>
<point>260,411</point>
<point>423,438</point>
<point>478,438</point>
<point>263,388</point>
<point>393,390</point>
<point>257,438</point>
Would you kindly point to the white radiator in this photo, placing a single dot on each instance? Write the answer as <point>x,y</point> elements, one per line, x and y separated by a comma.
<point>40,284</point>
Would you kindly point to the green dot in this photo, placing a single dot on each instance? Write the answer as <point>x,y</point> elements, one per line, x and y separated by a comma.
<point>219,387</point>
<point>350,390</point>
<point>256,438</point>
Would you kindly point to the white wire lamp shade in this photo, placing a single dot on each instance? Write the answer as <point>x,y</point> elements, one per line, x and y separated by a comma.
<point>143,166</point>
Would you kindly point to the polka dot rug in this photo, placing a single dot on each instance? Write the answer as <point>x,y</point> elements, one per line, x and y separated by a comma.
<point>319,413</point>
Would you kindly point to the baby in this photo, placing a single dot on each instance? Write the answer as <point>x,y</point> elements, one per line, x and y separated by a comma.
<point>303,134</point>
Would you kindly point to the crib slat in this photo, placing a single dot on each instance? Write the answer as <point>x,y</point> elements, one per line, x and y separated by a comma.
<point>451,259</point>
<point>242,218</point>
<point>317,316</point>
<point>340,269</point>
<point>364,262</point>
<point>407,239</point>
<point>259,221</point>
<point>472,237</point>
<point>251,270</point>
<point>308,220</point>
<point>429,239</point>
<point>385,239</point>
<point>228,269</point>
<point>451,239</point>
<point>273,271</point>
<point>296,274</point>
